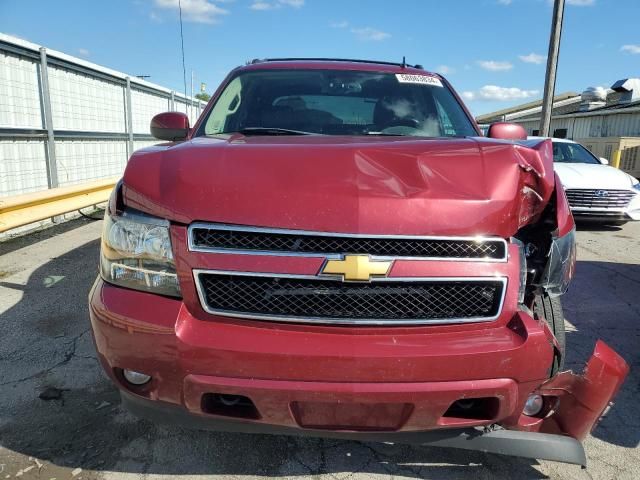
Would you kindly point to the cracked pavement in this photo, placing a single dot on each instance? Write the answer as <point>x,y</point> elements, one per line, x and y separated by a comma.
<point>81,432</point>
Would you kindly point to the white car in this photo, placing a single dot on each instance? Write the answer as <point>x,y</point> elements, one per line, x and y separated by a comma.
<point>595,190</point>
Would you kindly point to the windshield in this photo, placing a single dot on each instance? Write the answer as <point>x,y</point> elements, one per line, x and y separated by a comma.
<point>337,103</point>
<point>572,153</point>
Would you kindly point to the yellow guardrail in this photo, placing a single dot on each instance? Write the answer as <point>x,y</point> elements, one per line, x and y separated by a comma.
<point>21,210</point>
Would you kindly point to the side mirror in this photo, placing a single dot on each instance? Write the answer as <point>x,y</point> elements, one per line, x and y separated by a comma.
<point>171,126</point>
<point>604,161</point>
<point>507,131</point>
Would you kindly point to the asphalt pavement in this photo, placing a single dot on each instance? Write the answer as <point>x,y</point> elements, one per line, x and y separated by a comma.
<point>60,417</point>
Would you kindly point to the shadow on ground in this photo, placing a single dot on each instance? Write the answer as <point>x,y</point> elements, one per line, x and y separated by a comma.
<point>85,427</point>
<point>604,303</point>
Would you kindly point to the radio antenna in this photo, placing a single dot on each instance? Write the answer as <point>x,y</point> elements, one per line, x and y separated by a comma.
<point>184,70</point>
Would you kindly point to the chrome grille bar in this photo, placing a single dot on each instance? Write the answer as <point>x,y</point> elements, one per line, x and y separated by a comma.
<point>593,198</point>
<point>222,238</point>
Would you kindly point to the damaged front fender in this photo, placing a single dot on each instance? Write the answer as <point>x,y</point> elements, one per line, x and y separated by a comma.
<point>560,259</point>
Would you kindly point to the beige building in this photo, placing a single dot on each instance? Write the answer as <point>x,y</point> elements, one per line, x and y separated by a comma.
<point>603,120</point>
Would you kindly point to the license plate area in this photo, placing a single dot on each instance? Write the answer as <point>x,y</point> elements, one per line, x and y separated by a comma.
<point>356,416</point>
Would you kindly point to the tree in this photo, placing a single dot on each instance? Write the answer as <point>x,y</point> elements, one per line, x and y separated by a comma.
<point>204,96</point>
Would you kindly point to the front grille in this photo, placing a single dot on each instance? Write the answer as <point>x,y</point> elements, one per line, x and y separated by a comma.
<point>599,199</point>
<point>226,238</point>
<point>389,301</point>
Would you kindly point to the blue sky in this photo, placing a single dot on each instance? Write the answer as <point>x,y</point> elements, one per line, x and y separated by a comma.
<point>493,51</point>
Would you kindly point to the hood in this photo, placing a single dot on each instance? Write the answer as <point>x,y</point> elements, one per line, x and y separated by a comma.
<point>586,175</point>
<point>377,185</point>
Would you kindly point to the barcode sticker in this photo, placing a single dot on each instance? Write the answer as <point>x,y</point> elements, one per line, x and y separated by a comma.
<point>419,79</point>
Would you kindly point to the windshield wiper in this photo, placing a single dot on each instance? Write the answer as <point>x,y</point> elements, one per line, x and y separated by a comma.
<point>382,134</point>
<point>272,131</point>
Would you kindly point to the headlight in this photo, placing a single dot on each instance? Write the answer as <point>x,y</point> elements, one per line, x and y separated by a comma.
<point>136,253</point>
<point>636,186</point>
<point>523,269</point>
<point>530,202</point>
<point>560,264</point>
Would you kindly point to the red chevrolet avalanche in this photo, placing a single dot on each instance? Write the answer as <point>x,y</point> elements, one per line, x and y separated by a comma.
<point>334,250</point>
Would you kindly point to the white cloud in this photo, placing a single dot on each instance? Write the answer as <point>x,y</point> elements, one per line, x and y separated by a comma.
<point>292,3</point>
<point>501,94</point>
<point>370,34</point>
<point>533,58</point>
<point>363,33</point>
<point>84,52</point>
<point>273,4</point>
<point>445,69</point>
<point>633,49</point>
<point>200,11</point>
<point>341,24</point>
<point>504,2</point>
<point>262,6</point>
<point>495,66</point>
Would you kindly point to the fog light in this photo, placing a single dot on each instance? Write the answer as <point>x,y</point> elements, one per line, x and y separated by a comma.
<point>135,378</point>
<point>533,405</point>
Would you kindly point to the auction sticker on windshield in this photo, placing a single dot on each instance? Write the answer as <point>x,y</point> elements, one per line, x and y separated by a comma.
<point>420,79</point>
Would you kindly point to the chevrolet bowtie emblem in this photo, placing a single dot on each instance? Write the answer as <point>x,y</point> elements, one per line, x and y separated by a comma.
<point>357,267</point>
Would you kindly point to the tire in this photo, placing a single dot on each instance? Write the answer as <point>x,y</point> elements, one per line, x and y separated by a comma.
<point>550,309</point>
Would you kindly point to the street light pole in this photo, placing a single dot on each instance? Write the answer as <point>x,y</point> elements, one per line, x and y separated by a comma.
<point>552,67</point>
<point>191,101</point>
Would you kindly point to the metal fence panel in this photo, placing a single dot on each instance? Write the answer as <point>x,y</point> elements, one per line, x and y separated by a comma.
<point>81,160</point>
<point>184,106</point>
<point>22,166</point>
<point>88,136</point>
<point>19,92</point>
<point>80,102</point>
<point>144,106</point>
<point>138,144</point>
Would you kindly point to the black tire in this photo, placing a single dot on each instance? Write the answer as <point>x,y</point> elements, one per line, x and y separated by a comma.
<point>550,309</point>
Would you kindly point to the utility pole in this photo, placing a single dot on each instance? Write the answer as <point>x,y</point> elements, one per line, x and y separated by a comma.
<point>552,67</point>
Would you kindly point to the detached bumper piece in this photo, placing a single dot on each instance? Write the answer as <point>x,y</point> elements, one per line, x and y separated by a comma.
<point>582,399</point>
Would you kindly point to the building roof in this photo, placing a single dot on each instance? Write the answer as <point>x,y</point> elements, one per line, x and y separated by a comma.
<point>618,106</point>
<point>487,117</point>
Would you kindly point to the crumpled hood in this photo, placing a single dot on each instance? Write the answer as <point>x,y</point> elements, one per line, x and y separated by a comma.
<point>377,185</point>
<point>584,175</point>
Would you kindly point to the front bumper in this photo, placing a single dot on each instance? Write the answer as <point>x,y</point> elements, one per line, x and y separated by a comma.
<point>543,446</point>
<point>629,213</point>
<point>602,217</point>
<point>328,381</point>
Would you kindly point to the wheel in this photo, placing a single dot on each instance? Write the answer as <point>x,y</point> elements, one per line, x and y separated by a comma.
<point>550,309</point>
